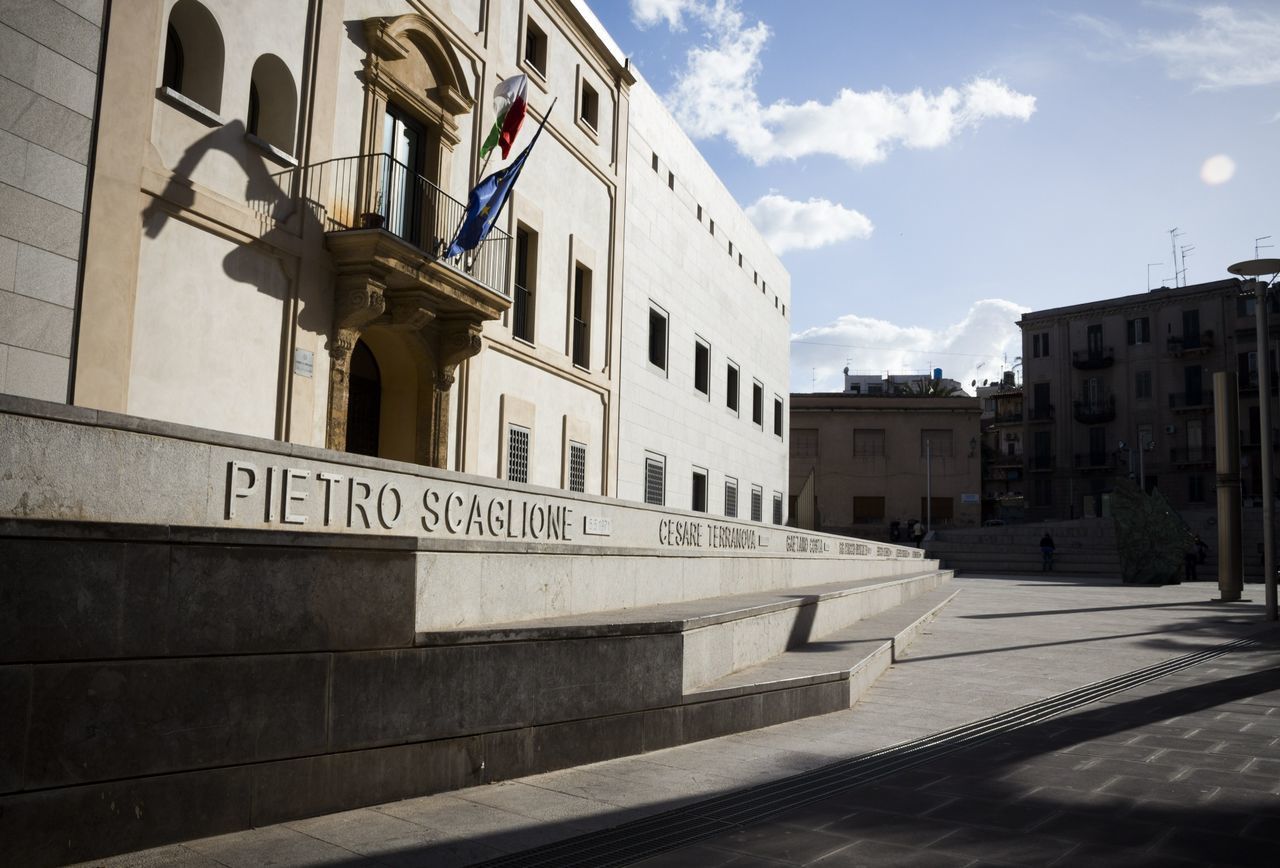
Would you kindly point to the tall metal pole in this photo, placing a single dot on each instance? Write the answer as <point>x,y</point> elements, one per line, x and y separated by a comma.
<point>1260,293</point>
<point>1142,473</point>
<point>1226,417</point>
<point>928,486</point>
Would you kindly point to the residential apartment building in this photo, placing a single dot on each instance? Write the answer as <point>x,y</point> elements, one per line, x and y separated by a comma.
<point>1003,471</point>
<point>1123,388</point>
<point>272,193</point>
<point>868,462</point>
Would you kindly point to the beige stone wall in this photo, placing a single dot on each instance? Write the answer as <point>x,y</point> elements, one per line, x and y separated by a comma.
<point>895,472</point>
<point>48,80</point>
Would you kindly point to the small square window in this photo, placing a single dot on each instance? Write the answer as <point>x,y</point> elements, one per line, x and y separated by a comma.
<point>589,106</point>
<point>699,500</point>
<point>702,367</point>
<point>535,47</point>
<point>657,338</point>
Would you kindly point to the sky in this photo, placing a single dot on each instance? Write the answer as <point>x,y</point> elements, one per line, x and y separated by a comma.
<point>929,170</point>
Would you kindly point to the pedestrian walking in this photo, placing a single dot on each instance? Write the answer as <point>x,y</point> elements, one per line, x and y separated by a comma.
<point>1046,553</point>
<point>917,533</point>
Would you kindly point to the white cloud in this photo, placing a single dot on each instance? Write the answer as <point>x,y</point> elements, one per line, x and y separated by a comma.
<point>715,95</point>
<point>1222,49</point>
<point>790,225</point>
<point>646,13</point>
<point>972,349</point>
<point>1218,169</point>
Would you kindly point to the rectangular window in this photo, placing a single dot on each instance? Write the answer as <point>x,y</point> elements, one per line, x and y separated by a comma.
<point>523,304</point>
<point>730,497</point>
<point>589,107</point>
<point>581,317</point>
<point>1195,489</point>
<point>1190,329</point>
<point>1138,331</point>
<point>1040,345</point>
<point>804,443</point>
<point>777,507</point>
<point>757,503</point>
<point>777,416</point>
<point>657,338</point>
<point>757,404</point>
<point>1093,337</point>
<point>711,225</point>
<point>671,180</point>
<point>535,47</point>
<point>699,500</point>
<point>1195,440</point>
<point>702,368</point>
<point>1142,384</point>
<point>868,442</point>
<point>655,480</point>
<point>731,387</point>
<point>939,510</point>
<point>1042,492</point>
<point>577,466</point>
<point>655,161</point>
<point>868,510</point>
<point>517,453</point>
<point>939,442</point>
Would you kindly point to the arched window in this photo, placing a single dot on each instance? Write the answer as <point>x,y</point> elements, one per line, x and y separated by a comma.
<point>194,55</point>
<point>273,103</point>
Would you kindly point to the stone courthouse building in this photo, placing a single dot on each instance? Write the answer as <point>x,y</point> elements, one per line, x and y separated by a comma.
<point>234,217</point>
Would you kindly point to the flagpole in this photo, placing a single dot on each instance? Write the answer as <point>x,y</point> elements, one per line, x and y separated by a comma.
<point>476,251</point>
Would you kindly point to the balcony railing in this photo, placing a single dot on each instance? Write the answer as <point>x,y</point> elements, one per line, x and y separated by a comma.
<point>1191,400</point>
<point>1092,460</point>
<point>1095,412</point>
<point>1088,360</point>
<point>1200,455</point>
<point>1191,344</point>
<point>1042,413</point>
<point>1008,418</point>
<point>376,191</point>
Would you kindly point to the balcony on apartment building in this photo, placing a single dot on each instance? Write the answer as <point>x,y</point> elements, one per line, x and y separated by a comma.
<point>1093,460</point>
<point>1190,344</point>
<point>1185,456</point>
<point>1041,413</point>
<point>1094,411</point>
<point>1093,358</point>
<point>1190,402</point>
<point>1007,417</point>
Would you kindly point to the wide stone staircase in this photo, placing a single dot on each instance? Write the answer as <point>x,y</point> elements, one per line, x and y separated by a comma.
<point>1084,547</point>
<point>178,666</point>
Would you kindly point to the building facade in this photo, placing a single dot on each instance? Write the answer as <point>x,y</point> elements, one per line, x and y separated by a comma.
<point>49,71</point>
<point>273,191</point>
<point>1003,470</point>
<point>870,463</point>
<point>1123,388</point>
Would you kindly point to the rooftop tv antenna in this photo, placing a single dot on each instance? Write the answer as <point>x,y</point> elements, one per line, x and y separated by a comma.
<point>1183,251</point>
<point>1149,266</point>
<point>1259,246</point>
<point>1173,246</point>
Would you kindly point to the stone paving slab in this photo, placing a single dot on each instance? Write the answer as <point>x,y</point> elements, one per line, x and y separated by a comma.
<point>988,652</point>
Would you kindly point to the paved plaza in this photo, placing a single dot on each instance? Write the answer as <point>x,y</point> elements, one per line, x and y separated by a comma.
<point>1039,721</point>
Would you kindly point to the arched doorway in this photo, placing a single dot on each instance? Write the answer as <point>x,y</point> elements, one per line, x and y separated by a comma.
<point>364,402</point>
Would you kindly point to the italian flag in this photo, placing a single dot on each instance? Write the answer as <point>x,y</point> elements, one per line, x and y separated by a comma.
<point>509,103</point>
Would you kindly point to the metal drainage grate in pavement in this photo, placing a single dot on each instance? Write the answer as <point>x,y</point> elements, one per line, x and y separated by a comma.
<point>680,827</point>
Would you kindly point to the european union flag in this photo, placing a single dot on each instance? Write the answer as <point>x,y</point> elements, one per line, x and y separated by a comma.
<point>486,201</point>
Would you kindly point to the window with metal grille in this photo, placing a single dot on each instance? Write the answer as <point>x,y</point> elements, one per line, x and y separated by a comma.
<point>757,503</point>
<point>517,453</point>
<point>804,443</point>
<point>655,483</point>
<point>868,442</point>
<point>731,498</point>
<point>777,508</point>
<point>577,466</point>
<point>699,503</point>
<point>937,441</point>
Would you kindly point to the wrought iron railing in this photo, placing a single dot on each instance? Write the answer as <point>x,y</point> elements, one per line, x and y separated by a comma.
<point>1094,411</point>
<point>1095,357</point>
<point>1042,413</point>
<point>376,191</point>
<point>1186,400</point>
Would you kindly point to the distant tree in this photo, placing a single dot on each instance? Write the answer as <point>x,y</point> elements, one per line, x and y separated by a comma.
<point>928,388</point>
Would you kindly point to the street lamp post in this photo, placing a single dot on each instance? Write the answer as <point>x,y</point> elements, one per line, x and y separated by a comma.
<point>1255,269</point>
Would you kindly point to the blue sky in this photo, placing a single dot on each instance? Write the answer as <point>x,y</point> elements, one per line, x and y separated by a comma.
<point>929,169</point>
